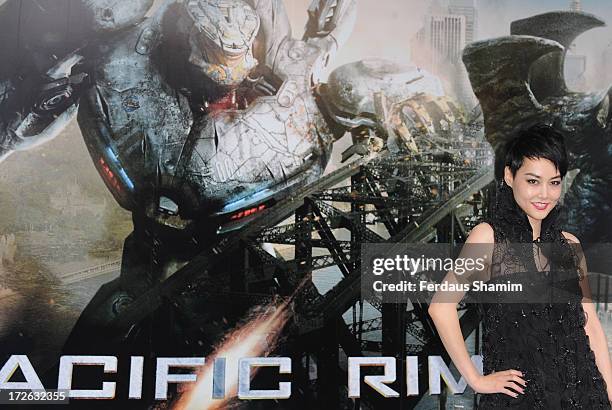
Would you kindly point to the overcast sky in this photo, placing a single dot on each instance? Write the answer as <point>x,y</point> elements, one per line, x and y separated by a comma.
<point>384,27</point>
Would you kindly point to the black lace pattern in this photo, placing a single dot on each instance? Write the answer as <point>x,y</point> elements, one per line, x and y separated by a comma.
<point>545,341</point>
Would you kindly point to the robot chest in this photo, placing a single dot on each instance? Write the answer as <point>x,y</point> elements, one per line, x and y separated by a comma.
<point>217,156</point>
<point>267,139</point>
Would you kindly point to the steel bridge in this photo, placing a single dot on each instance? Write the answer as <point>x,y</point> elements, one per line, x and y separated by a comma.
<point>318,231</point>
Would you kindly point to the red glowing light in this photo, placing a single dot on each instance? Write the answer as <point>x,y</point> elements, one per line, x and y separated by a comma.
<point>227,102</point>
<point>247,212</point>
<point>108,175</point>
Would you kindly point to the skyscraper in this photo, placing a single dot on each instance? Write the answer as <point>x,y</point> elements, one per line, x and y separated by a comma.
<point>575,5</point>
<point>466,8</point>
<point>439,44</point>
<point>440,41</point>
<point>447,36</point>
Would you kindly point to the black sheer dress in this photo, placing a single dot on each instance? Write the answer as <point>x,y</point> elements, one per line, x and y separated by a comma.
<point>545,338</point>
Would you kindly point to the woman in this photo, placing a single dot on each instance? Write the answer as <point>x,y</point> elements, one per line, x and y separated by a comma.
<point>536,355</point>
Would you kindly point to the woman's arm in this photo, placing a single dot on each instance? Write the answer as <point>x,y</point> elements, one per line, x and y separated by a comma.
<point>444,315</point>
<point>597,337</point>
<point>443,311</point>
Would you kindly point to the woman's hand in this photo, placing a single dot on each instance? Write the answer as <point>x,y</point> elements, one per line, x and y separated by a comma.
<point>500,382</point>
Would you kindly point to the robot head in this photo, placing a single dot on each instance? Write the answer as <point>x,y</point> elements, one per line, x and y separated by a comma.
<point>222,39</point>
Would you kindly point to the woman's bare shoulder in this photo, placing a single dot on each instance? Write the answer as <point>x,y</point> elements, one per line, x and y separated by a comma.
<point>570,237</point>
<point>481,233</point>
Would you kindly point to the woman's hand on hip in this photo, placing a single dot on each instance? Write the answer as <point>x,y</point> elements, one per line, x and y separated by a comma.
<point>500,382</point>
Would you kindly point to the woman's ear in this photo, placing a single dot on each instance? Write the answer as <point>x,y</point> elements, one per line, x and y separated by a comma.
<point>508,177</point>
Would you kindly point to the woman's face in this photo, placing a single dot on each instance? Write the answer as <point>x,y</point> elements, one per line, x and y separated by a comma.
<point>536,187</point>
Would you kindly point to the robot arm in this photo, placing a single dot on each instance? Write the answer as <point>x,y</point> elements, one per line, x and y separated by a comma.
<point>38,94</point>
<point>330,23</point>
<point>384,103</point>
<point>274,29</point>
<point>331,17</point>
<point>33,112</point>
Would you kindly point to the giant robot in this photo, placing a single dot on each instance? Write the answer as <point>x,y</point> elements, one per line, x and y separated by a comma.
<point>198,114</point>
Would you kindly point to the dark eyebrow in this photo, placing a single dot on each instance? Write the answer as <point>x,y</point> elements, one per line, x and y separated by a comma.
<point>537,176</point>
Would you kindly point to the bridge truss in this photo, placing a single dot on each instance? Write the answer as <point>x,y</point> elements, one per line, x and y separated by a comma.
<point>315,235</point>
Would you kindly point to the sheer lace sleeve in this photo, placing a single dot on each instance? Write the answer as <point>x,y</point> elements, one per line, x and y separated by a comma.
<point>474,262</point>
<point>580,261</point>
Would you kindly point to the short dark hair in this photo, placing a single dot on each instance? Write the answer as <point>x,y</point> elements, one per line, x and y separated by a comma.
<point>538,141</point>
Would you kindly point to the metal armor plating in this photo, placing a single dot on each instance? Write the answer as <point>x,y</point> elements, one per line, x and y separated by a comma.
<point>238,150</point>
<point>202,114</point>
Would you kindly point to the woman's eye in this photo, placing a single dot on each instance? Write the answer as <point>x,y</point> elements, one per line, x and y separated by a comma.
<point>556,182</point>
<point>532,181</point>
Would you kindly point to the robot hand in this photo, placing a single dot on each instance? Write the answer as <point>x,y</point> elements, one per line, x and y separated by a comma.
<point>50,103</point>
<point>61,89</point>
<point>58,95</point>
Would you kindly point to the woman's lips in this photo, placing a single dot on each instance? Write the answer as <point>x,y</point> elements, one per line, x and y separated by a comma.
<point>540,206</point>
